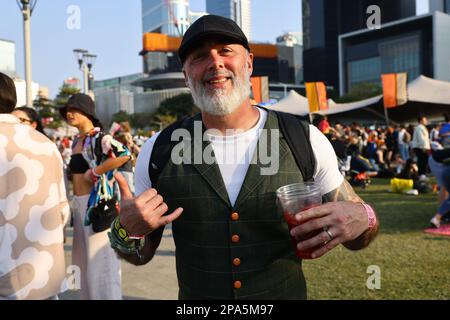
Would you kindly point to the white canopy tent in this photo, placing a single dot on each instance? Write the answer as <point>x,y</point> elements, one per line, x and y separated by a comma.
<point>297,104</point>
<point>334,107</point>
<point>422,89</point>
<point>293,103</point>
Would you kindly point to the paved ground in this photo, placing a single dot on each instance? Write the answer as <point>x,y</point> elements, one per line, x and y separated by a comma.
<point>155,280</point>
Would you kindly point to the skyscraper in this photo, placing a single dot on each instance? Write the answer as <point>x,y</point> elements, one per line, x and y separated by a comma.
<point>8,58</point>
<point>237,10</point>
<point>440,5</point>
<point>169,17</point>
<point>325,20</point>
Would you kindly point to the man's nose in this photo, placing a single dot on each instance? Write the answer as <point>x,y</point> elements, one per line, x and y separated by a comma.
<point>215,60</point>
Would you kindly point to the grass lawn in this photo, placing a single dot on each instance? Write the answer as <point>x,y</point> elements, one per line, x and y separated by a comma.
<point>413,264</point>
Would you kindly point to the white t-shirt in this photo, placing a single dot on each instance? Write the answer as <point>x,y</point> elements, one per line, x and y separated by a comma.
<point>241,147</point>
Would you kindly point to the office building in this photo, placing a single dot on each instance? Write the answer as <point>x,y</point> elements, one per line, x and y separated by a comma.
<point>290,58</point>
<point>194,15</point>
<point>440,5</point>
<point>72,82</point>
<point>169,17</point>
<point>325,20</point>
<point>8,57</point>
<point>417,46</point>
<point>21,91</point>
<point>237,10</point>
<point>114,95</point>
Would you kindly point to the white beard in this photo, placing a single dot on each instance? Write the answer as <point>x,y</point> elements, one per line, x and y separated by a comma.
<point>218,102</point>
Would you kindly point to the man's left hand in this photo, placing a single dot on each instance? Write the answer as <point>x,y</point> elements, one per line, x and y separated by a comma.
<point>344,220</point>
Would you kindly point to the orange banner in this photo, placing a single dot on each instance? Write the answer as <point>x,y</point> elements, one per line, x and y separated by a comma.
<point>389,90</point>
<point>394,89</point>
<point>256,88</point>
<point>260,88</point>
<point>322,94</point>
<point>317,96</point>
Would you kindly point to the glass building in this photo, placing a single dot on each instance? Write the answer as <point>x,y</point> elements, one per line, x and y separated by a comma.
<point>169,17</point>
<point>8,58</point>
<point>440,5</point>
<point>237,10</point>
<point>417,46</point>
<point>325,20</point>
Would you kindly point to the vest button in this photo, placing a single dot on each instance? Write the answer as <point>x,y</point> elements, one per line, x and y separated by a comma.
<point>236,262</point>
<point>237,284</point>
<point>235,238</point>
<point>235,216</point>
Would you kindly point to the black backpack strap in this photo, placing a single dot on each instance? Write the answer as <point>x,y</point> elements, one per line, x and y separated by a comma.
<point>162,149</point>
<point>296,132</point>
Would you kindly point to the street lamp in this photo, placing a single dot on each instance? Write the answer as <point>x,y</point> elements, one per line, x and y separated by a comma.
<point>27,7</point>
<point>85,62</point>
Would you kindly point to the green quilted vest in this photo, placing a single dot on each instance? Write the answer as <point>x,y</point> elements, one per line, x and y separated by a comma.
<point>232,252</point>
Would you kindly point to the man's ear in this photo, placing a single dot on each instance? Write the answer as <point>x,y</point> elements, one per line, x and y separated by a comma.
<point>250,63</point>
<point>185,77</point>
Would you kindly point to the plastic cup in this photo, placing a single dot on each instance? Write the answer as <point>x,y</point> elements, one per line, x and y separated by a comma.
<point>293,199</point>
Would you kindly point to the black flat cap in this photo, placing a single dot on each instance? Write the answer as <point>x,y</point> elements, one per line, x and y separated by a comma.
<point>81,102</point>
<point>210,25</point>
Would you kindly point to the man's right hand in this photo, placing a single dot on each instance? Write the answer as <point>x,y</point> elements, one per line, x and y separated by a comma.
<point>143,214</point>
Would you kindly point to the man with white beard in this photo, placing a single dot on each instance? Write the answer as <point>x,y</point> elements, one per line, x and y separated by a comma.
<point>231,241</point>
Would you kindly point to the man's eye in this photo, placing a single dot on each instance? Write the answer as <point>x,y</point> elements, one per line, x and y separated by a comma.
<point>198,56</point>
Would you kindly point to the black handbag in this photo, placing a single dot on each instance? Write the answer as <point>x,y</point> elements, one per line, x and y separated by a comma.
<point>103,214</point>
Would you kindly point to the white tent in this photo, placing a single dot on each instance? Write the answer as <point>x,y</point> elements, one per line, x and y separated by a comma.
<point>293,103</point>
<point>422,89</point>
<point>334,107</point>
<point>297,104</point>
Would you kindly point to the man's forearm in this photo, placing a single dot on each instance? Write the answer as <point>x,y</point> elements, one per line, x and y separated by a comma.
<point>363,240</point>
<point>346,193</point>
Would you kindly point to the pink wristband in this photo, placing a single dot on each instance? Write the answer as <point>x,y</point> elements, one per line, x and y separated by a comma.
<point>371,217</point>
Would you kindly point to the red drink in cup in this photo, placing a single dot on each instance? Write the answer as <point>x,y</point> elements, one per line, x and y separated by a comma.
<point>295,198</point>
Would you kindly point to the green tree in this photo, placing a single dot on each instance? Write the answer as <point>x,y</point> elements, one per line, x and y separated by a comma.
<point>141,120</point>
<point>178,106</point>
<point>122,116</point>
<point>169,111</point>
<point>175,108</point>
<point>63,96</point>
<point>361,91</point>
<point>44,107</point>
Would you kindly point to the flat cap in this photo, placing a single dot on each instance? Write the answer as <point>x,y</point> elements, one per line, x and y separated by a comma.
<point>207,26</point>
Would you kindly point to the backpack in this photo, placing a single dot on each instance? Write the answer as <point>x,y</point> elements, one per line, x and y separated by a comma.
<point>295,130</point>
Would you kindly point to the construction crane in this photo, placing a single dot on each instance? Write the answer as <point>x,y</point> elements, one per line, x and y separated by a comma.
<point>172,17</point>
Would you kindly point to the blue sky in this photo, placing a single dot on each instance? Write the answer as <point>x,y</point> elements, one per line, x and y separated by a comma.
<point>113,31</point>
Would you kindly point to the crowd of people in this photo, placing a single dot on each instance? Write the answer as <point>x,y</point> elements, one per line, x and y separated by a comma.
<point>414,152</point>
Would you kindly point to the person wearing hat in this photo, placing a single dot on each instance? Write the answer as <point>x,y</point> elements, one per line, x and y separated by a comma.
<point>91,252</point>
<point>231,241</point>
